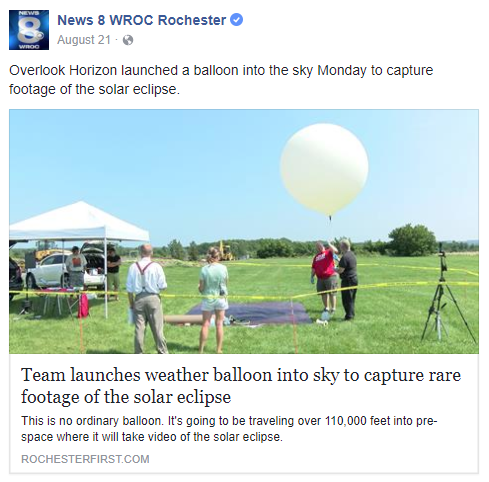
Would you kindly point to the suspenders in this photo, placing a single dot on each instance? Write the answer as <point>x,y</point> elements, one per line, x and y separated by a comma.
<point>142,273</point>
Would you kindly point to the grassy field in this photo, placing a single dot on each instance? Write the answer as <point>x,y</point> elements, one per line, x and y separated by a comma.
<point>389,319</point>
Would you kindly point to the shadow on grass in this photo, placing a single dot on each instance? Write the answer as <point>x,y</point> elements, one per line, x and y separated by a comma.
<point>180,348</point>
<point>172,348</point>
<point>41,302</point>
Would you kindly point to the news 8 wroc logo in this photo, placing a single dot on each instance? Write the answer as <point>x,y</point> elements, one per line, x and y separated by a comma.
<point>29,30</point>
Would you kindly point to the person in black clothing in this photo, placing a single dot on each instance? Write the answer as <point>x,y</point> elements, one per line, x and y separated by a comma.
<point>347,269</point>
<point>113,263</point>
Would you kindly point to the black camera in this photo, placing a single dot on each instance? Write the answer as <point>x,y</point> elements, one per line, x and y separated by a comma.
<point>443,258</point>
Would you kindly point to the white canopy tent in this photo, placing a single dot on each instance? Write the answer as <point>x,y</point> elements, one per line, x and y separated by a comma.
<point>78,221</point>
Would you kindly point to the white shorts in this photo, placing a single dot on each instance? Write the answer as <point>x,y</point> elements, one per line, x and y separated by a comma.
<point>217,304</point>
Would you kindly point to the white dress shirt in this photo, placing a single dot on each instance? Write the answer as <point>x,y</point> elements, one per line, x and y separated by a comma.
<point>154,278</point>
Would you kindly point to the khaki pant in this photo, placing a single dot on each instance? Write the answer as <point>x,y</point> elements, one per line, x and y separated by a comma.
<point>327,284</point>
<point>113,282</point>
<point>148,310</point>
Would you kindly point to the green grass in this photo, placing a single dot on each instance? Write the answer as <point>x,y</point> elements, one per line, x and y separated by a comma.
<point>389,320</point>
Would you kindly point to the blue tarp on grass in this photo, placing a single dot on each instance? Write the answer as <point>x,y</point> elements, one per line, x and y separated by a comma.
<point>264,313</point>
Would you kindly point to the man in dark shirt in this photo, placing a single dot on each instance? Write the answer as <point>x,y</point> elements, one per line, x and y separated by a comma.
<point>113,263</point>
<point>347,269</point>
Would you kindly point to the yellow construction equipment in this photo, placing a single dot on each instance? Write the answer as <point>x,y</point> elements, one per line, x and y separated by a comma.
<point>226,253</point>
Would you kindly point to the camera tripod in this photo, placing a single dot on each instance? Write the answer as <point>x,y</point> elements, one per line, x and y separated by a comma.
<point>437,306</point>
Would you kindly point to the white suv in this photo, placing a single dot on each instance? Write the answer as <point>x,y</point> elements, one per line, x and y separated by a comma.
<point>51,270</point>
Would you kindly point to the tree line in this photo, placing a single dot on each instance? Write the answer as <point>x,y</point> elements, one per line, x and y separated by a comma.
<point>406,240</point>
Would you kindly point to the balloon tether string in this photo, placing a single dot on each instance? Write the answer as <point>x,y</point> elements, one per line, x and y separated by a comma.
<point>330,230</point>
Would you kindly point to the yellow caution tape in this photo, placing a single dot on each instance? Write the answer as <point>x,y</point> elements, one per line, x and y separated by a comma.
<point>429,268</point>
<point>392,284</point>
<point>379,265</point>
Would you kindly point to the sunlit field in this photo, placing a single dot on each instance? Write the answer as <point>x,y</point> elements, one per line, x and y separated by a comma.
<point>389,319</point>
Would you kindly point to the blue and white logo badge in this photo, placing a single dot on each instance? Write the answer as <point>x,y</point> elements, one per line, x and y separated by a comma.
<point>29,30</point>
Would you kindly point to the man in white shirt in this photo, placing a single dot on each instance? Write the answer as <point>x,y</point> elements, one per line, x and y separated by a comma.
<point>145,280</point>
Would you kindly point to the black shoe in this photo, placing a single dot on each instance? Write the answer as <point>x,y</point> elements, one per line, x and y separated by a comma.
<point>348,319</point>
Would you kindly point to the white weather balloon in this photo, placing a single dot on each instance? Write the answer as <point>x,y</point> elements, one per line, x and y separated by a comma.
<point>324,167</point>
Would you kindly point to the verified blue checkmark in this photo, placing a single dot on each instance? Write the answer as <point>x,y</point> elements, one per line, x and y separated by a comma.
<point>236,19</point>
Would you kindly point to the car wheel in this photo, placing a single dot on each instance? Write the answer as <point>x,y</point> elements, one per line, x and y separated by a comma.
<point>30,282</point>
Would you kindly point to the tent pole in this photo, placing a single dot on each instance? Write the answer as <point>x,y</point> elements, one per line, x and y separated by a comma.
<point>62,266</point>
<point>105,277</point>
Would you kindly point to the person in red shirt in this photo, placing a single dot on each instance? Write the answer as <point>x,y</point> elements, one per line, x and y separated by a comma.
<point>327,279</point>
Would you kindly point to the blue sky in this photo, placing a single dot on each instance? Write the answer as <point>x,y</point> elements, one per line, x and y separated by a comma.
<point>209,174</point>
